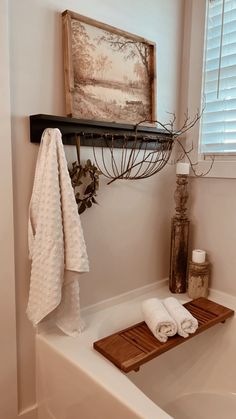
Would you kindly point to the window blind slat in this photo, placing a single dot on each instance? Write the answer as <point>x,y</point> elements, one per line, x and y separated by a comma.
<point>228,61</point>
<point>220,104</point>
<point>218,148</point>
<point>228,27</point>
<point>224,83</point>
<point>223,94</point>
<point>219,116</point>
<point>219,137</point>
<point>227,50</point>
<point>221,122</point>
<point>218,124</point>
<point>215,14</point>
<point>229,127</point>
<point>216,37</point>
<point>215,6</point>
<point>227,54</point>
<point>225,71</point>
<point>215,20</point>
<point>215,40</point>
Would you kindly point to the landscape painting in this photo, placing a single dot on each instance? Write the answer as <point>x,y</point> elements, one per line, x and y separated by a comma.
<point>111,73</point>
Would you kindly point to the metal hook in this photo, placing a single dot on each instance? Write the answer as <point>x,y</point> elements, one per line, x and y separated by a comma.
<point>77,143</point>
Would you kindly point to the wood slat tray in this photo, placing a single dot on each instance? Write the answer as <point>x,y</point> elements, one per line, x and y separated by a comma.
<point>136,345</point>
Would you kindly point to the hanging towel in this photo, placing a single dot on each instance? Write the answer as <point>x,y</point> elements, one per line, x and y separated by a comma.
<point>158,319</point>
<point>56,242</point>
<point>186,323</point>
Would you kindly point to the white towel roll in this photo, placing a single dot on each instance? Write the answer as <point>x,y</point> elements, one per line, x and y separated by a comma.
<point>158,319</point>
<point>186,323</point>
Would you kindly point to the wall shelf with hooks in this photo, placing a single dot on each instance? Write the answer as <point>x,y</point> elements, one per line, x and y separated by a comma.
<point>145,150</point>
<point>100,132</point>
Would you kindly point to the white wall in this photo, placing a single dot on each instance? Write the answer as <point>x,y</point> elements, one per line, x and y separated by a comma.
<point>8,379</point>
<point>213,214</point>
<point>212,199</point>
<point>128,234</point>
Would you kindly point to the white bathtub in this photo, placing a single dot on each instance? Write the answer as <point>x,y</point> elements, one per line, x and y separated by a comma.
<point>196,380</point>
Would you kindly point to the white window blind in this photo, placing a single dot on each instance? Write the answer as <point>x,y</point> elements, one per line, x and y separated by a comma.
<point>218,125</point>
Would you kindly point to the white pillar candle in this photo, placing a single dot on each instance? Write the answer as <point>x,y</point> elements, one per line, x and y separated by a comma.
<point>198,256</point>
<point>182,168</point>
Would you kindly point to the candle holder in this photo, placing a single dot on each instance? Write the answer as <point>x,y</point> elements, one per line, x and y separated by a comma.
<point>179,238</point>
<point>198,279</point>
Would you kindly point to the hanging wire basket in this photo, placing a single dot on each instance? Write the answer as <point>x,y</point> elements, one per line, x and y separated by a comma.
<point>138,159</point>
<point>130,155</point>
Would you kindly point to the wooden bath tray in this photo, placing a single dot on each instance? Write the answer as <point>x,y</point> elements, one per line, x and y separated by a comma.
<point>136,345</point>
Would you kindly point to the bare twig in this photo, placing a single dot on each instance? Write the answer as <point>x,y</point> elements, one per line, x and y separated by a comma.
<point>192,164</point>
<point>153,161</point>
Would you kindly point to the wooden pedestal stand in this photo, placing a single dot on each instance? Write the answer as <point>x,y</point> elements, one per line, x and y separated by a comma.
<point>179,238</point>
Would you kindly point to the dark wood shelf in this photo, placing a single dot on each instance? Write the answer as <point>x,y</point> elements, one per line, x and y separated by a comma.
<point>130,348</point>
<point>96,133</point>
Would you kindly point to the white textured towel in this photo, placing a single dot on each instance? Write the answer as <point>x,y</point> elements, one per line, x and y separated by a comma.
<point>186,323</point>
<point>158,319</point>
<point>56,242</point>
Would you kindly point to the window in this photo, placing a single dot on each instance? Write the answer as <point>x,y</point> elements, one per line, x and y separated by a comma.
<point>218,125</point>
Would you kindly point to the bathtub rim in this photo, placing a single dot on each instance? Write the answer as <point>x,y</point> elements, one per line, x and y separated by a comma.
<point>126,392</point>
<point>116,383</point>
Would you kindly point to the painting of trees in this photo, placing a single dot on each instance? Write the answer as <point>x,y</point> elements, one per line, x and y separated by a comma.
<point>82,52</point>
<point>140,71</point>
<point>131,48</point>
<point>113,73</point>
<point>103,64</point>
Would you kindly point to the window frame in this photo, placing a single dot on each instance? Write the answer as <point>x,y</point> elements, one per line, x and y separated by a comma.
<point>192,84</point>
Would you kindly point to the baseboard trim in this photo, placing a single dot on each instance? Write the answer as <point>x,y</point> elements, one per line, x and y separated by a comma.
<point>29,413</point>
<point>129,295</point>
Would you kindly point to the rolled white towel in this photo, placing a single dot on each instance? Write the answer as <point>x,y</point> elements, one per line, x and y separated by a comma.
<point>158,319</point>
<point>186,323</point>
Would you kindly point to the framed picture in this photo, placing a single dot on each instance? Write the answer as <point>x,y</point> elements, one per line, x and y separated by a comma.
<point>110,75</point>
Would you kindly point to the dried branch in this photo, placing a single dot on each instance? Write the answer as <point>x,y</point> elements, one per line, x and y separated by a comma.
<point>188,123</point>
<point>182,155</point>
<point>192,164</point>
<point>150,162</point>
